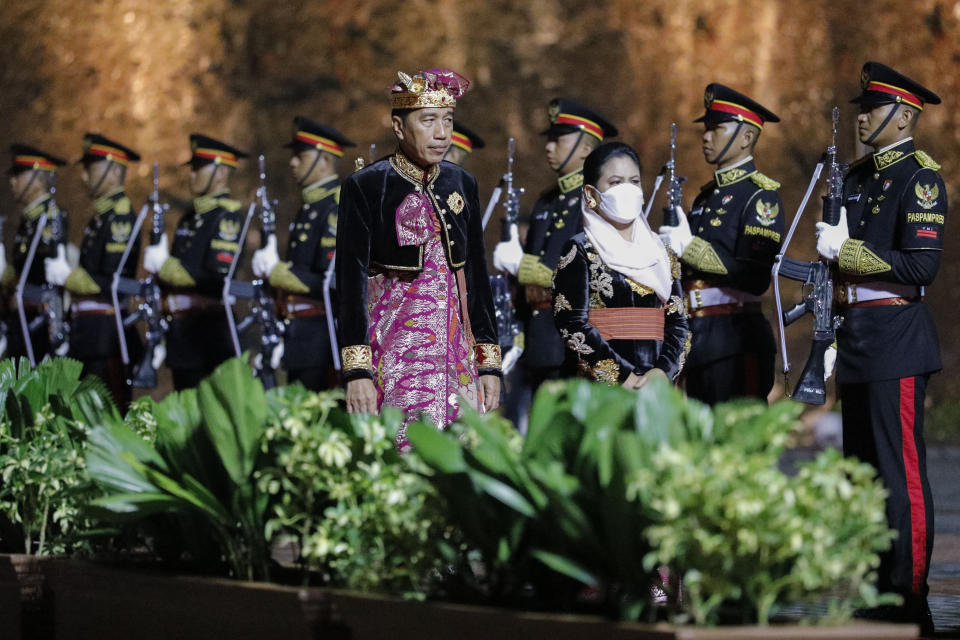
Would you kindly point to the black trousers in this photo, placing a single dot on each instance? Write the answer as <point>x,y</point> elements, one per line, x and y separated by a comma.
<point>313,378</point>
<point>744,375</point>
<point>189,378</point>
<point>883,425</point>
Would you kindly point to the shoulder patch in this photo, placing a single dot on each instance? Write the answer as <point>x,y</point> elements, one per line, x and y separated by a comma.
<point>925,160</point>
<point>764,182</point>
<point>229,204</point>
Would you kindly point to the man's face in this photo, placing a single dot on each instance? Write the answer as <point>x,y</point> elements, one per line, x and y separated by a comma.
<point>871,117</point>
<point>302,162</point>
<point>93,177</point>
<point>425,134</point>
<point>19,184</point>
<point>200,178</point>
<point>558,149</point>
<point>715,137</point>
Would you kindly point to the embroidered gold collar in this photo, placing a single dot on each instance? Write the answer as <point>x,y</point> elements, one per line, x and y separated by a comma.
<point>571,181</point>
<point>889,156</point>
<point>208,202</point>
<point>33,210</point>
<point>111,201</point>
<point>409,169</point>
<point>316,192</point>
<point>735,173</point>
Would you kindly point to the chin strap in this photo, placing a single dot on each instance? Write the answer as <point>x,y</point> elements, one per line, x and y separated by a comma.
<point>213,174</point>
<point>103,176</point>
<point>726,148</point>
<point>23,192</point>
<point>882,126</point>
<point>561,169</point>
<point>313,166</point>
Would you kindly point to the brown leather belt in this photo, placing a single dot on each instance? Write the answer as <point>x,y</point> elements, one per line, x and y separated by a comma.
<point>180,304</point>
<point>628,323</point>
<point>538,298</point>
<point>294,306</point>
<point>90,306</point>
<point>882,302</point>
<point>726,309</point>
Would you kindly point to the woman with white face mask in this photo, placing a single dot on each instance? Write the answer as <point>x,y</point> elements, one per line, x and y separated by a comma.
<point>617,299</point>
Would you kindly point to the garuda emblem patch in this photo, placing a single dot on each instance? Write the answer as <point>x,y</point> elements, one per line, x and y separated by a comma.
<point>455,202</point>
<point>229,230</point>
<point>120,231</point>
<point>767,213</point>
<point>927,194</point>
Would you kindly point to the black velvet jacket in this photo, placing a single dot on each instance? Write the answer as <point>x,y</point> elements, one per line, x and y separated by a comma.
<point>583,282</point>
<point>367,244</point>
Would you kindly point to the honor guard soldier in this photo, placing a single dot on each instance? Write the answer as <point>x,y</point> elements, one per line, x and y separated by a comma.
<point>192,272</point>
<point>32,177</point>
<point>93,327</point>
<point>727,249</point>
<point>317,150</point>
<point>573,133</point>
<point>462,143</point>
<point>887,248</point>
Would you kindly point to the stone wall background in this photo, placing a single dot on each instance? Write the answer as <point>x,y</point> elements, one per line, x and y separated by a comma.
<point>149,72</point>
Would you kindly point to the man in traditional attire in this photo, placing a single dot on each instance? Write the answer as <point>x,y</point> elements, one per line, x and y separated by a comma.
<point>417,328</point>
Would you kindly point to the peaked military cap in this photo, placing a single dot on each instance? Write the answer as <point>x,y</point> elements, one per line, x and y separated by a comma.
<point>97,147</point>
<point>27,158</point>
<point>308,134</point>
<point>882,85</point>
<point>466,139</point>
<point>723,104</point>
<point>205,150</point>
<point>567,116</point>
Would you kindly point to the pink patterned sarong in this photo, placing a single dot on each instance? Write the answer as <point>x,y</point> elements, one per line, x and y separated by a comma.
<point>421,356</point>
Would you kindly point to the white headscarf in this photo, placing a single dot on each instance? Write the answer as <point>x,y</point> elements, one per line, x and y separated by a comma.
<point>643,259</point>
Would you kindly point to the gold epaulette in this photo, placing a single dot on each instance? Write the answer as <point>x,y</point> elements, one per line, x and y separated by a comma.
<point>122,206</point>
<point>762,181</point>
<point>173,272</point>
<point>283,278</point>
<point>81,283</point>
<point>925,160</point>
<point>229,204</point>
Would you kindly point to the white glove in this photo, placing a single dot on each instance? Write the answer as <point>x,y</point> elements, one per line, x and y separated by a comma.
<point>3,260</point>
<point>829,362</point>
<point>63,349</point>
<point>264,260</point>
<point>508,254</point>
<point>276,356</point>
<point>831,237</point>
<point>3,345</point>
<point>159,355</point>
<point>156,255</point>
<point>677,238</point>
<point>57,270</point>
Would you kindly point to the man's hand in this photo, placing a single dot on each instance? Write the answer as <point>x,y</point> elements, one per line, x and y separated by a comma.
<point>490,387</point>
<point>159,355</point>
<point>829,362</point>
<point>264,260</point>
<point>508,254</point>
<point>361,396</point>
<point>650,375</point>
<point>57,270</point>
<point>831,237</point>
<point>155,255</point>
<point>677,238</point>
<point>632,381</point>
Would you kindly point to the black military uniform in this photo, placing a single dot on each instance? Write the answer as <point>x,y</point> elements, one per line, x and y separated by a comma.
<point>93,327</point>
<point>27,158</point>
<point>554,220</point>
<point>737,224</point>
<point>300,280</point>
<point>896,205</point>
<point>204,248</point>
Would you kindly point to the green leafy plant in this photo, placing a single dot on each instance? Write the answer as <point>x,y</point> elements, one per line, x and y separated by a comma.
<point>609,484</point>
<point>46,414</point>
<point>340,492</point>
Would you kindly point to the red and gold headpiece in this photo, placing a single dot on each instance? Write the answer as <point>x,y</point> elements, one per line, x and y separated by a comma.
<point>432,88</point>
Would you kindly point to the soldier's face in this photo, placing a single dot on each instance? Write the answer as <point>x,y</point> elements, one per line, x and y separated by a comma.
<point>559,148</point>
<point>19,184</point>
<point>425,134</point>
<point>456,155</point>
<point>200,178</point>
<point>715,137</point>
<point>301,163</point>
<point>871,117</point>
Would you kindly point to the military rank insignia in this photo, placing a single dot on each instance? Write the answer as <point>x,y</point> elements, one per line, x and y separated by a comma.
<point>455,202</point>
<point>927,195</point>
<point>767,213</point>
<point>229,230</point>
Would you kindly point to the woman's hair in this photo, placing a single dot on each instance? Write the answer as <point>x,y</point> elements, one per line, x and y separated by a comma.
<point>593,165</point>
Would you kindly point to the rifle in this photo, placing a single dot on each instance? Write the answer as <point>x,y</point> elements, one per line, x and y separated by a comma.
<point>674,183</point>
<point>150,309</point>
<point>3,325</point>
<point>816,276</point>
<point>262,312</point>
<point>507,324</point>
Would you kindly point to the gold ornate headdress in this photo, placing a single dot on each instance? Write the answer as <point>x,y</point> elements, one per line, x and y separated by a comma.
<point>433,88</point>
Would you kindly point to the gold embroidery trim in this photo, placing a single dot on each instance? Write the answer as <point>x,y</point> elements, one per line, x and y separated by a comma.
<point>282,277</point>
<point>638,288</point>
<point>702,257</point>
<point>487,356</point>
<point>81,283</point>
<point>455,202</point>
<point>173,272</point>
<point>358,356</point>
<point>925,161</point>
<point>856,258</point>
<point>568,258</point>
<point>764,182</point>
<point>532,271</point>
<point>409,170</point>
<point>560,303</point>
<point>730,176</point>
<point>607,371</point>
<point>570,181</point>
<point>887,158</point>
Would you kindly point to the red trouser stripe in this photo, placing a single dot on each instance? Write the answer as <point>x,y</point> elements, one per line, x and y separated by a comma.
<point>911,463</point>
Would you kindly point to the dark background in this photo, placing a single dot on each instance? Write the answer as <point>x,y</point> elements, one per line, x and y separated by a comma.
<point>149,72</point>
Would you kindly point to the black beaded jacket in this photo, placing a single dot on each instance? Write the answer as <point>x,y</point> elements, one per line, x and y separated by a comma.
<point>367,244</point>
<point>583,282</point>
